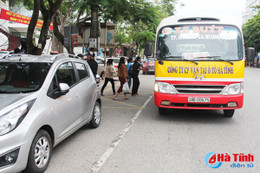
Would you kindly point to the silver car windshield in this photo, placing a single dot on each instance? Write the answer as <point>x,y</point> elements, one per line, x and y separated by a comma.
<point>22,77</point>
<point>199,42</point>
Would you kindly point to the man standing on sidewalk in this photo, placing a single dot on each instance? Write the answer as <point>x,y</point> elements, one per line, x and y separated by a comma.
<point>257,60</point>
<point>136,68</point>
<point>92,63</point>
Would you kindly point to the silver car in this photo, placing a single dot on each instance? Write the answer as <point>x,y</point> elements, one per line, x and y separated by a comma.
<point>43,100</point>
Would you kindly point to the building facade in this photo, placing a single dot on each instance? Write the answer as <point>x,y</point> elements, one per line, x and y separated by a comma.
<point>12,32</point>
<point>250,11</point>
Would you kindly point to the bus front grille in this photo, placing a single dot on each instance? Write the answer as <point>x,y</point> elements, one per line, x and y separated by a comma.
<point>199,89</point>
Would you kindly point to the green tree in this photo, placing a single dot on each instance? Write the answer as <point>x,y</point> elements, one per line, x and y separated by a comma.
<point>251,31</point>
<point>144,18</point>
<point>48,9</point>
<point>165,8</point>
<point>122,36</point>
<point>128,11</point>
<point>64,16</point>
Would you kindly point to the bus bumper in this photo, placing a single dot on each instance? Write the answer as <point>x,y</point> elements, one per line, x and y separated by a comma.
<point>180,101</point>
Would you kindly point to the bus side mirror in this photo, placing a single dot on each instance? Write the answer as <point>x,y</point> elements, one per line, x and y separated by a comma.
<point>148,50</point>
<point>251,54</point>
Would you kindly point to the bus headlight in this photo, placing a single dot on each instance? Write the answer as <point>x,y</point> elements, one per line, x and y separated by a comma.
<point>233,89</point>
<point>164,87</point>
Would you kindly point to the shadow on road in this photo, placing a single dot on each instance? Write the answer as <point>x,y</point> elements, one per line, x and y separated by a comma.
<point>195,116</point>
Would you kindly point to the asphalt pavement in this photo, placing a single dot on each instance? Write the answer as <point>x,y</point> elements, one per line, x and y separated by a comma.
<point>134,138</point>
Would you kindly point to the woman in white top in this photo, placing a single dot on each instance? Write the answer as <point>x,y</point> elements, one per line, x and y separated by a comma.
<point>109,74</point>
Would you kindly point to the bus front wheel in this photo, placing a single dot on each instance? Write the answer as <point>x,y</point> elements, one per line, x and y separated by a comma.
<point>163,111</point>
<point>229,113</point>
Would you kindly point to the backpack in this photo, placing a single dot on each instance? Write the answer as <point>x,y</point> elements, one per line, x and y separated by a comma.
<point>131,70</point>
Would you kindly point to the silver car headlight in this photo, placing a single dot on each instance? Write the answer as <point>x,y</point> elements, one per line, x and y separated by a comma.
<point>164,87</point>
<point>233,89</point>
<point>13,118</point>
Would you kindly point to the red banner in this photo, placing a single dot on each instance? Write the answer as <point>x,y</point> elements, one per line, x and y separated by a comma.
<point>74,39</point>
<point>10,16</point>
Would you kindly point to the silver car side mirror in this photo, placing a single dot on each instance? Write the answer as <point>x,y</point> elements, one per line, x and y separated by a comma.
<point>97,79</point>
<point>64,88</point>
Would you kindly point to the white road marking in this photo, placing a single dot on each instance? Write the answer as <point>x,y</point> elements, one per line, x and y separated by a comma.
<point>97,166</point>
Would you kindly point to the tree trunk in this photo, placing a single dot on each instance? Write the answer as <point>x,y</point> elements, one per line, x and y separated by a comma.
<point>56,44</point>
<point>59,34</point>
<point>31,48</point>
<point>94,29</point>
<point>48,13</point>
<point>44,31</point>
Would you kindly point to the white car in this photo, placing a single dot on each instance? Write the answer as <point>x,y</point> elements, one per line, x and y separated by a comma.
<point>115,62</point>
<point>43,100</point>
<point>101,67</point>
<point>4,54</point>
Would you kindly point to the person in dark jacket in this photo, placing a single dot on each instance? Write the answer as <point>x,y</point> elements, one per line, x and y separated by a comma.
<point>17,51</point>
<point>92,63</point>
<point>136,69</point>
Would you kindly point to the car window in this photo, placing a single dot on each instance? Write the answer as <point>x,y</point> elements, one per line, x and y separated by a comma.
<point>65,74</point>
<point>99,61</point>
<point>82,70</point>
<point>150,61</point>
<point>115,60</point>
<point>22,77</point>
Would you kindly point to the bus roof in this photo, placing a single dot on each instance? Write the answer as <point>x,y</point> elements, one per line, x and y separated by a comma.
<point>184,20</point>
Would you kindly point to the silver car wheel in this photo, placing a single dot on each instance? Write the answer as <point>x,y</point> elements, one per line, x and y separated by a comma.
<point>42,152</point>
<point>97,114</point>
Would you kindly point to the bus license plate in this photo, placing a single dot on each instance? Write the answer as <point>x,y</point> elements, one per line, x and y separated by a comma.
<point>199,99</point>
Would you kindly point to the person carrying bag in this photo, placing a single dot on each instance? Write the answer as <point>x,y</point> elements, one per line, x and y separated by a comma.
<point>122,75</point>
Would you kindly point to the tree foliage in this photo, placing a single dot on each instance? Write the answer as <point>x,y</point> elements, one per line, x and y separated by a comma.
<point>48,9</point>
<point>251,31</point>
<point>142,19</point>
<point>139,18</point>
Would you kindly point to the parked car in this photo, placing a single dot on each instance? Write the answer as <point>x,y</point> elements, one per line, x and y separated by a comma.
<point>148,66</point>
<point>101,67</point>
<point>3,54</point>
<point>43,100</point>
<point>115,62</point>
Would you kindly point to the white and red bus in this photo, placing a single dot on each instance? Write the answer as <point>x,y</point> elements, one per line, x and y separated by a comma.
<point>199,65</point>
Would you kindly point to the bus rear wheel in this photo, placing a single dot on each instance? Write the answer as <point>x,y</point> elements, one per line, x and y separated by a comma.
<point>229,113</point>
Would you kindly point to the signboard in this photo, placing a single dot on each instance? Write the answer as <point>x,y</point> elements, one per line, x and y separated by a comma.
<point>92,43</point>
<point>14,17</point>
<point>74,39</point>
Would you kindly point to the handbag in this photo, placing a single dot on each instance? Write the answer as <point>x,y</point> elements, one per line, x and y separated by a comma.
<point>126,88</point>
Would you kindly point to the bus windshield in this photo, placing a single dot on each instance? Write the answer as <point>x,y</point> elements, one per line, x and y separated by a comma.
<point>199,42</point>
